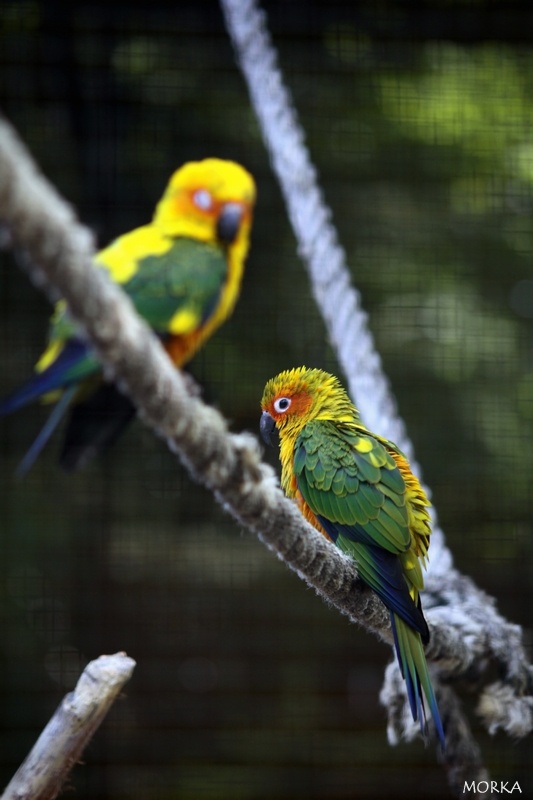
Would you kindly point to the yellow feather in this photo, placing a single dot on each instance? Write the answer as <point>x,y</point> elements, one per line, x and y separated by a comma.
<point>55,345</point>
<point>364,446</point>
<point>183,322</point>
<point>121,258</point>
<point>49,355</point>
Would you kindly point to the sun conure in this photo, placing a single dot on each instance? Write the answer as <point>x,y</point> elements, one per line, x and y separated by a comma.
<point>182,272</point>
<point>358,490</point>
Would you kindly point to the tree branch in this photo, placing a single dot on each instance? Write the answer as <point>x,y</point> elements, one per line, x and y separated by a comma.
<point>60,745</point>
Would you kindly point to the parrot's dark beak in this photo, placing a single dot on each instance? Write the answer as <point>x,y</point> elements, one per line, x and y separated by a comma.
<point>229,222</point>
<point>267,426</point>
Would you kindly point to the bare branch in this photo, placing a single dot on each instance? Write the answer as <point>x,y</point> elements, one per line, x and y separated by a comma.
<point>73,725</point>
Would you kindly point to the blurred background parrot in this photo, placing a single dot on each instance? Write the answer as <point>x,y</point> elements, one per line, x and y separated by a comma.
<point>183,274</point>
<point>358,490</point>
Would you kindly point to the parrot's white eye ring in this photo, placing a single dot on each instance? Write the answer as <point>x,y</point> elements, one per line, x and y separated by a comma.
<point>282,404</point>
<point>202,200</point>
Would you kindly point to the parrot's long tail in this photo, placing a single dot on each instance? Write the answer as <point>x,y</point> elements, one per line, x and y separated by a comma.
<point>413,665</point>
<point>59,382</point>
<point>57,414</point>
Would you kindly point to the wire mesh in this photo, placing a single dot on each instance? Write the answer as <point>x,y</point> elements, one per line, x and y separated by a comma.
<point>246,685</point>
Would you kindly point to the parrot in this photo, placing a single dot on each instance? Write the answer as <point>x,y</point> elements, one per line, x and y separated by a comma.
<point>183,273</point>
<point>357,489</point>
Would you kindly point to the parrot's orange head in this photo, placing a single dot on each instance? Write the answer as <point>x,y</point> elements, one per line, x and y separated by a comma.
<point>295,397</point>
<point>210,200</point>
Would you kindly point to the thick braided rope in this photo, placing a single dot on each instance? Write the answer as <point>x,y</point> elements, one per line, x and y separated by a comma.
<point>463,606</point>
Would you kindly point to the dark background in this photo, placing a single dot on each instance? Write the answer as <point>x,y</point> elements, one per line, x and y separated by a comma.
<point>419,117</point>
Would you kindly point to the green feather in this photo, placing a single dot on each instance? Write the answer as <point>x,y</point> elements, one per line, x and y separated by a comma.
<point>187,277</point>
<point>351,483</point>
<point>342,485</point>
<point>382,536</point>
<point>318,495</point>
<point>365,563</point>
<point>300,460</point>
<point>375,496</point>
<point>342,510</point>
<point>392,479</point>
<point>368,471</point>
<point>398,515</point>
<point>311,460</point>
<point>395,497</point>
<point>338,483</point>
<point>319,474</point>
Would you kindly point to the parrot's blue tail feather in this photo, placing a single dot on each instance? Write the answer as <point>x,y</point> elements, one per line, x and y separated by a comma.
<point>413,666</point>
<point>72,364</point>
<point>49,427</point>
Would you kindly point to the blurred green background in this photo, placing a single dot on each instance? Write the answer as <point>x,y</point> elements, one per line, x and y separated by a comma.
<point>419,117</point>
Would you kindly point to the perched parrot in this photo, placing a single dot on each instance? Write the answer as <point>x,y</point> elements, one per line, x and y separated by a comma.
<point>182,272</point>
<point>358,490</point>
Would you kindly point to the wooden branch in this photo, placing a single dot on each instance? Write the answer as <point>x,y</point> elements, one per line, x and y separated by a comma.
<point>62,742</point>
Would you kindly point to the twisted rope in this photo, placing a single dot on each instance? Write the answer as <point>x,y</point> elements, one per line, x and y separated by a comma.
<point>480,634</point>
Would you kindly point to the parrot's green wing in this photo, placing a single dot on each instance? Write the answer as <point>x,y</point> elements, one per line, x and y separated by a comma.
<point>178,290</point>
<point>353,486</point>
<point>348,477</point>
<point>175,291</point>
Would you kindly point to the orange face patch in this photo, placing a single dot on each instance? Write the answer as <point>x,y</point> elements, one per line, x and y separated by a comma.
<point>196,202</point>
<point>300,405</point>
